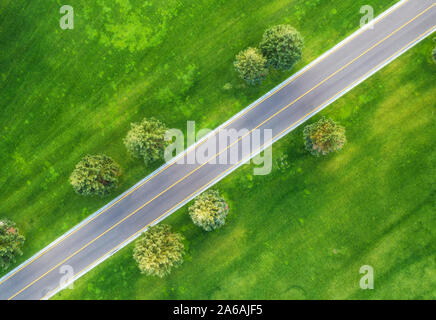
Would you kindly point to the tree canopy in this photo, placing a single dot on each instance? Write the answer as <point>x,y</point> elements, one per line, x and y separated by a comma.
<point>209,210</point>
<point>282,45</point>
<point>251,65</point>
<point>434,54</point>
<point>324,136</point>
<point>11,242</point>
<point>158,251</point>
<point>95,175</point>
<point>146,140</point>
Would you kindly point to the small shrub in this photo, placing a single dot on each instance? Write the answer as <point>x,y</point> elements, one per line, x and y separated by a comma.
<point>251,65</point>
<point>95,175</point>
<point>324,136</point>
<point>158,251</point>
<point>11,242</point>
<point>282,46</point>
<point>209,210</point>
<point>146,140</point>
<point>228,86</point>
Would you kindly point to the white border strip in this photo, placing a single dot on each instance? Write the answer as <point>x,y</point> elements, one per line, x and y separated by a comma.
<point>189,149</point>
<point>267,145</point>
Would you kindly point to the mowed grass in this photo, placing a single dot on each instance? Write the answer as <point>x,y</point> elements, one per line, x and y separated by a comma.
<point>304,232</point>
<point>67,93</point>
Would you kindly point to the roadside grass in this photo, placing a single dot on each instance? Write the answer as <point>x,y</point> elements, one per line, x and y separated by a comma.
<point>304,232</point>
<point>64,94</point>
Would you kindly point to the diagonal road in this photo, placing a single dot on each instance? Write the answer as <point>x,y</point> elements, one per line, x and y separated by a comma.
<point>171,186</point>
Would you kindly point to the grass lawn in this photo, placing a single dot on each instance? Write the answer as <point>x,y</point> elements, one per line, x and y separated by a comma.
<point>305,231</point>
<point>67,93</point>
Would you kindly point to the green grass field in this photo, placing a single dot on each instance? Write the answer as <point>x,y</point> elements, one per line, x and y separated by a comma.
<point>299,233</point>
<point>67,93</point>
<point>304,232</point>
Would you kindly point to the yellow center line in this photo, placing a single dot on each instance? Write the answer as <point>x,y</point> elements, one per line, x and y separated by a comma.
<point>247,157</point>
<point>221,151</point>
<point>187,152</point>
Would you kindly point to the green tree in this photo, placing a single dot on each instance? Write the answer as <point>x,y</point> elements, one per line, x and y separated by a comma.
<point>209,210</point>
<point>11,242</point>
<point>147,140</point>
<point>324,136</point>
<point>251,65</point>
<point>434,54</point>
<point>282,46</point>
<point>159,250</point>
<point>95,175</point>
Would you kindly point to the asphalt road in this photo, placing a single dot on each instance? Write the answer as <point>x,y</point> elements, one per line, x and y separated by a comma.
<point>281,110</point>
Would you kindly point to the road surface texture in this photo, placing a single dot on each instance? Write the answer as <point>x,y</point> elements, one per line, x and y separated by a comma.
<point>174,184</point>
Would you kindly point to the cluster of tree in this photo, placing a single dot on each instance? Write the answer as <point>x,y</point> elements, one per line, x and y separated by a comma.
<point>11,242</point>
<point>281,47</point>
<point>324,136</point>
<point>209,210</point>
<point>159,250</point>
<point>98,174</point>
